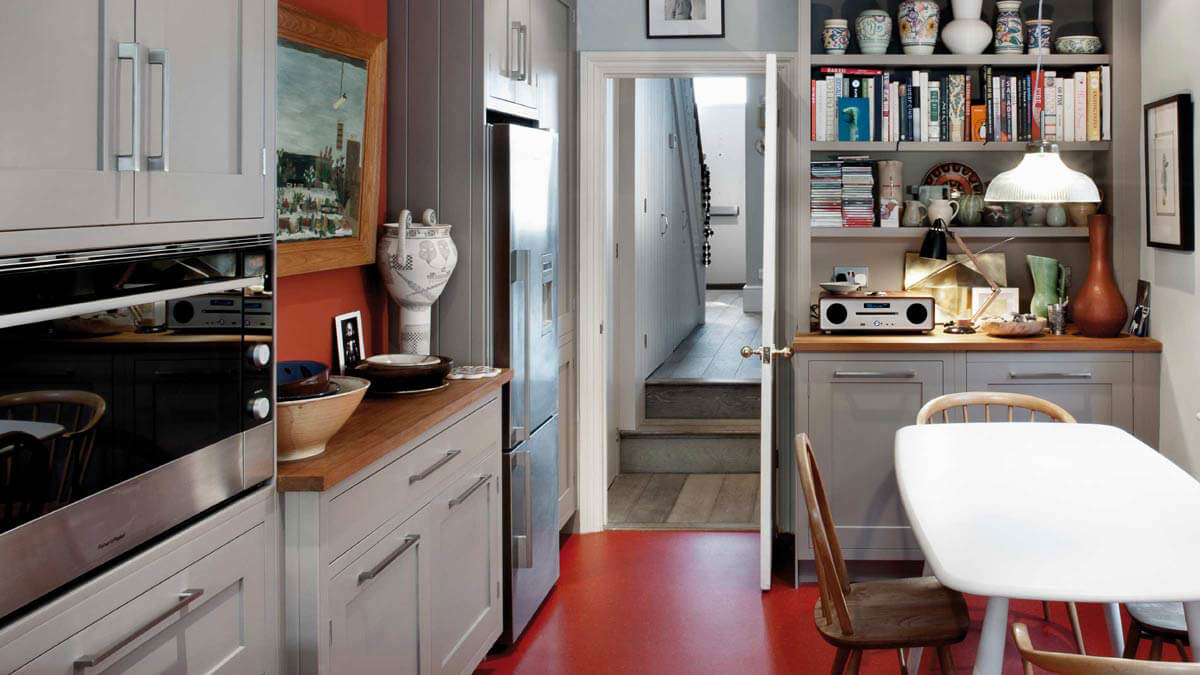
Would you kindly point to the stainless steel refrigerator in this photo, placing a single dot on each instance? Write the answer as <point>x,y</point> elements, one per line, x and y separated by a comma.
<point>523,203</point>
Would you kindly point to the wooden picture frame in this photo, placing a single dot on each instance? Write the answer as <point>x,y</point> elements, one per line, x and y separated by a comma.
<point>1170,204</point>
<point>659,25</point>
<point>348,336</point>
<point>324,36</point>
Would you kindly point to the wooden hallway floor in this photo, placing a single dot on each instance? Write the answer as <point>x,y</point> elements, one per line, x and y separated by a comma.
<point>682,501</point>
<point>713,350</point>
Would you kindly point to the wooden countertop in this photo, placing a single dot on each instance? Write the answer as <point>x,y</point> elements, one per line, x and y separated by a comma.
<point>939,341</point>
<point>379,426</point>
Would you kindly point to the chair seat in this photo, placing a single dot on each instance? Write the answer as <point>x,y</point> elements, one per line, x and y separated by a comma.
<point>896,613</point>
<point>1164,616</point>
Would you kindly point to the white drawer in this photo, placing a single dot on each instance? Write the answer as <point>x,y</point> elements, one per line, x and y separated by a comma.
<point>407,483</point>
<point>208,618</point>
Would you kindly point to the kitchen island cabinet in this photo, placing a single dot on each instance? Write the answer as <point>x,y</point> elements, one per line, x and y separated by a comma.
<point>392,537</point>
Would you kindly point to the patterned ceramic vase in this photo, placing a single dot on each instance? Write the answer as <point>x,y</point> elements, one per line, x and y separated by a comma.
<point>967,33</point>
<point>836,36</point>
<point>1039,35</point>
<point>1010,34</point>
<point>874,30</point>
<point>415,263</point>
<point>970,210</point>
<point>919,26</point>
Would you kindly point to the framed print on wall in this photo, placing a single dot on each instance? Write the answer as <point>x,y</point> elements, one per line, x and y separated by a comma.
<point>329,124</point>
<point>1170,205</point>
<point>348,334</point>
<point>685,18</point>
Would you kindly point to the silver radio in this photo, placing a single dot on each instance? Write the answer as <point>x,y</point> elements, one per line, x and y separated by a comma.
<point>876,313</point>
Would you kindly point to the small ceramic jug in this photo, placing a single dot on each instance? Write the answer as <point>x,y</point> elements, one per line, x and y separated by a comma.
<point>874,31</point>
<point>1081,211</point>
<point>836,36</point>
<point>1013,215</point>
<point>1048,276</point>
<point>1034,214</point>
<point>942,209</point>
<point>1056,216</point>
<point>993,216</point>
<point>1010,38</point>
<point>914,213</point>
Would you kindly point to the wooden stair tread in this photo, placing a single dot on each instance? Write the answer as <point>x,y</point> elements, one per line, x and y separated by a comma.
<point>899,613</point>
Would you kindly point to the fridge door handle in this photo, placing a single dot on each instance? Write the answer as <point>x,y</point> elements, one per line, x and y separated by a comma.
<point>520,273</point>
<point>522,543</point>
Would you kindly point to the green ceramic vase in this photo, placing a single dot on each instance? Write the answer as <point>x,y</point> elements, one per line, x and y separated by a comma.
<point>970,210</point>
<point>1047,283</point>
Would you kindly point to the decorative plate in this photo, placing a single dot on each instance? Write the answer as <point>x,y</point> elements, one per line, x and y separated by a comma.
<point>957,175</point>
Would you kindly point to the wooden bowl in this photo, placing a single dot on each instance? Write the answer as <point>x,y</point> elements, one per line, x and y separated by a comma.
<point>305,426</point>
<point>1014,329</point>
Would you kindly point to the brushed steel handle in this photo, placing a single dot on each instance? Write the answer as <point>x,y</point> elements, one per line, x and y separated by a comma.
<point>863,374</point>
<point>479,482</point>
<point>1049,376</point>
<point>450,454</point>
<point>375,571</point>
<point>92,660</point>
<point>132,51</point>
<point>161,161</point>
<point>523,543</point>
<point>518,73</point>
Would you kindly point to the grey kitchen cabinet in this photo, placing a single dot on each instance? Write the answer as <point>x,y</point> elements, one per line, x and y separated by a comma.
<point>467,568</point>
<point>568,412</point>
<point>144,113</point>
<point>508,51</point>
<point>854,409</point>
<point>379,605</point>
<point>1093,387</point>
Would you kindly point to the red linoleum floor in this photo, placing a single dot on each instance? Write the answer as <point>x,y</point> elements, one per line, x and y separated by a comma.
<point>688,602</point>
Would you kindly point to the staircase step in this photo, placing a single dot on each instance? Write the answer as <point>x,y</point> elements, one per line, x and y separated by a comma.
<point>658,451</point>
<point>702,399</point>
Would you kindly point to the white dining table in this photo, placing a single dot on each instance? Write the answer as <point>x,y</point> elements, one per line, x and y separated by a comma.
<point>40,430</point>
<point>1044,511</point>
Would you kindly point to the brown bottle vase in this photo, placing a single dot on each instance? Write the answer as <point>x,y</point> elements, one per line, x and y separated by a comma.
<point>1099,307</point>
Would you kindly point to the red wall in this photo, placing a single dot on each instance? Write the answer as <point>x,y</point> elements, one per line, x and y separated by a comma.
<point>307,303</point>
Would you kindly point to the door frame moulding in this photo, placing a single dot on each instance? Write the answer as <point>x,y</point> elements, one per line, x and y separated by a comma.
<point>597,72</point>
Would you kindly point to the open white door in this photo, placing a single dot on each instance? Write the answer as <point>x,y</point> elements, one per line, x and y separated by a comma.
<point>767,351</point>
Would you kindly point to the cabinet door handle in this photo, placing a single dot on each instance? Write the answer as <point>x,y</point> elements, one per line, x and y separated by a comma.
<point>161,161</point>
<point>863,374</point>
<point>92,660</point>
<point>132,51</point>
<point>451,454</point>
<point>469,491</point>
<point>518,73</point>
<point>1049,376</point>
<point>375,571</point>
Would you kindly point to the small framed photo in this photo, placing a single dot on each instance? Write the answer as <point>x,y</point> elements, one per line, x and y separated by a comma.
<point>1170,205</point>
<point>685,18</point>
<point>348,334</point>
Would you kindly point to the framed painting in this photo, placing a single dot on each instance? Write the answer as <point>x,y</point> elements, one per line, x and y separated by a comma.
<point>1170,203</point>
<point>329,121</point>
<point>685,18</point>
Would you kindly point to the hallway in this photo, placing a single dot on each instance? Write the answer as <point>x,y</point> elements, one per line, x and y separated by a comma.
<point>711,352</point>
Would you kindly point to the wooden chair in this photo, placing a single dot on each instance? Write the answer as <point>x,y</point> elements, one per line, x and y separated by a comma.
<point>1011,402</point>
<point>894,614</point>
<point>25,484</point>
<point>1078,664</point>
<point>1158,622</point>
<point>79,412</point>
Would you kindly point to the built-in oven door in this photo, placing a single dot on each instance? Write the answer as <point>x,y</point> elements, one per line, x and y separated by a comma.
<point>136,395</point>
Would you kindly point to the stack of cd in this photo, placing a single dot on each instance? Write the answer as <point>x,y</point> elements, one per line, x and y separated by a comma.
<point>858,195</point>
<point>825,201</point>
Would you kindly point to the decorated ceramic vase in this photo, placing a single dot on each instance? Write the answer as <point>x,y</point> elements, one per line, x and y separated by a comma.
<point>970,210</point>
<point>967,33</point>
<point>836,36</point>
<point>415,261</point>
<point>1039,35</point>
<point>919,26</point>
<point>1010,33</point>
<point>874,31</point>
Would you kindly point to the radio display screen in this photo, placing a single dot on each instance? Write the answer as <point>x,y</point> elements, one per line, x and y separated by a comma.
<point>877,305</point>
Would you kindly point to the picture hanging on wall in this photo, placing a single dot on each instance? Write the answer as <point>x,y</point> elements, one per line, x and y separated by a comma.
<point>685,18</point>
<point>328,136</point>
<point>1170,205</point>
<point>348,335</point>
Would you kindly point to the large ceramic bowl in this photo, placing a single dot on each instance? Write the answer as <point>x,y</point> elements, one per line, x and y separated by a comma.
<point>1077,44</point>
<point>400,373</point>
<point>305,426</point>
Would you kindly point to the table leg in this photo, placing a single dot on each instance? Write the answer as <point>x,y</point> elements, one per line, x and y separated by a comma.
<point>914,654</point>
<point>1116,636</point>
<point>1191,611</point>
<point>989,658</point>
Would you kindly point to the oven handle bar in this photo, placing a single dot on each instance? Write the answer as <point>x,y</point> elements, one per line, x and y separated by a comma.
<point>95,306</point>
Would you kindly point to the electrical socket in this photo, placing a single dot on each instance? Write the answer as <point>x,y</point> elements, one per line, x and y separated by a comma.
<point>859,275</point>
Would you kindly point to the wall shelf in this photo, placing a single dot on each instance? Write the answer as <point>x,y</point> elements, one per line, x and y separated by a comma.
<point>1049,62</point>
<point>968,233</point>
<point>910,146</point>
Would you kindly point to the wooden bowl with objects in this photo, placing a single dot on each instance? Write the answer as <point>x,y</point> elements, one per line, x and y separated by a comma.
<point>1013,327</point>
<point>306,425</point>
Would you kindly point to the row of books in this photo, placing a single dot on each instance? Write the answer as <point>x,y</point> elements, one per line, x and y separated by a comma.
<point>855,104</point>
<point>842,193</point>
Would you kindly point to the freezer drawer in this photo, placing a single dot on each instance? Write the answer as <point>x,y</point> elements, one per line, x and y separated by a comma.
<point>531,526</point>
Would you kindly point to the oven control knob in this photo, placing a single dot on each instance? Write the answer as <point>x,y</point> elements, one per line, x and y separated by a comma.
<point>259,356</point>
<point>259,408</point>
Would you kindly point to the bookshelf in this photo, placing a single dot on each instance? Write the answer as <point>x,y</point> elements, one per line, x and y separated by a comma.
<point>1115,165</point>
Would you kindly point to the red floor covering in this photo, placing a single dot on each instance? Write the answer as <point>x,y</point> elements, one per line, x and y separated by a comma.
<point>688,602</point>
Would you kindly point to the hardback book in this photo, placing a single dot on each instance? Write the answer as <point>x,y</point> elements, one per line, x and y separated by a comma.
<point>1068,112</point>
<point>1039,104</point>
<point>819,112</point>
<point>832,92</point>
<point>1106,103</point>
<point>895,96</point>
<point>1051,109</point>
<point>853,119</point>
<point>1060,107</point>
<point>925,107</point>
<point>851,71</point>
<point>935,103</point>
<point>968,99</point>
<point>1093,106</point>
<point>1012,108</point>
<point>978,123</point>
<point>987,87</point>
<point>885,95</point>
<point>1081,106</point>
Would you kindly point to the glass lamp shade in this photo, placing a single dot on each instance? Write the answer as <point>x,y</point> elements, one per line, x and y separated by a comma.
<point>1042,178</point>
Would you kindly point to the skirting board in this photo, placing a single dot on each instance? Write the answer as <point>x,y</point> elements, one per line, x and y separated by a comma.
<point>752,298</point>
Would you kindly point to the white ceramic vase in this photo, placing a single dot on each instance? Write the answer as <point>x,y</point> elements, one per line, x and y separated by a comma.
<point>967,33</point>
<point>415,261</point>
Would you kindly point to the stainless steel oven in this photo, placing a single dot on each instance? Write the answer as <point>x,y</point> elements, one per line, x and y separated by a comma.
<point>135,394</point>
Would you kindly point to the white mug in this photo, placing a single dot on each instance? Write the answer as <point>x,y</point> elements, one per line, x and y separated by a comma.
<point>944,210</point>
